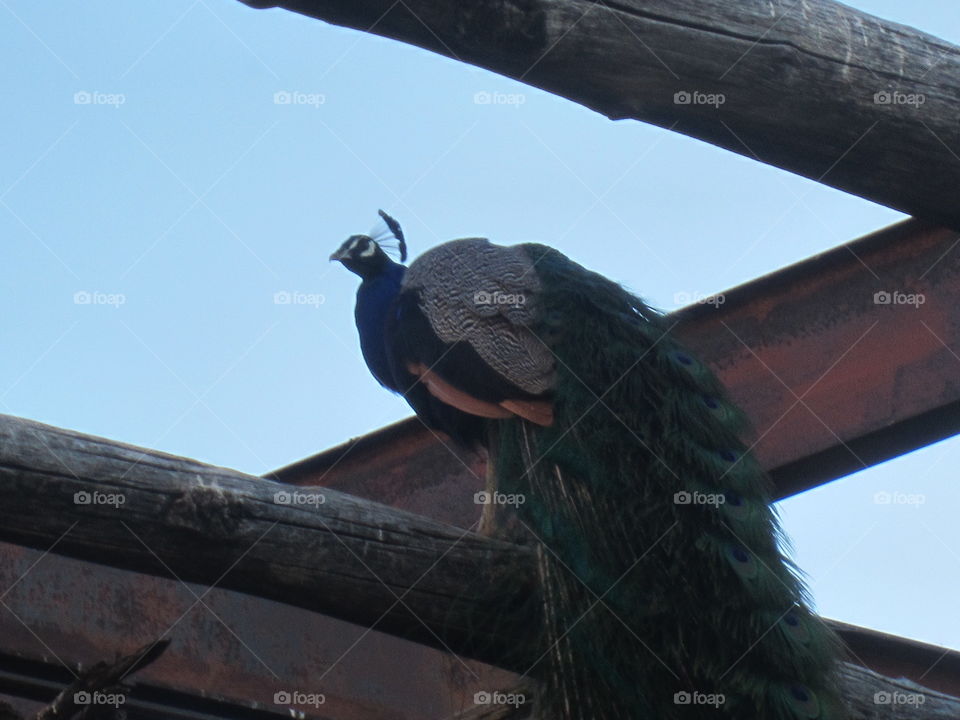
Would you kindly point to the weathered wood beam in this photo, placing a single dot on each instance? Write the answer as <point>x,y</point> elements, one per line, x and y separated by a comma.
<point>142,510</point>
<point>815,87</point>
<point>127,507</point>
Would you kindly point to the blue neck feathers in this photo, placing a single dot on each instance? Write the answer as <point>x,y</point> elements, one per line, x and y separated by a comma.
<point>374,302</point>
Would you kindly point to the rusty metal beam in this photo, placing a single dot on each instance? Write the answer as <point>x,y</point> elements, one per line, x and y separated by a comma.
<point>833,380</point>
<point>234,649</point>
<point>39,680</point>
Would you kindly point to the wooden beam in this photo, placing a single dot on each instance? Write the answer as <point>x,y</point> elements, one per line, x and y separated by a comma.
<point>816,87</point>
<point>142,510</point>
<point>127,507</point>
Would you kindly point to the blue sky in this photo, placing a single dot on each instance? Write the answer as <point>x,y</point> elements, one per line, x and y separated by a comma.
<point>155,198</point>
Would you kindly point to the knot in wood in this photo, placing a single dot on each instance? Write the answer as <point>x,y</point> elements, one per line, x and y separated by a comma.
<point>206,510</point>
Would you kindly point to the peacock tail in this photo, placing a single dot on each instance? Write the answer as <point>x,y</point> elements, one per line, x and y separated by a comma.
<point>663,589</point>
<point>665,594</point>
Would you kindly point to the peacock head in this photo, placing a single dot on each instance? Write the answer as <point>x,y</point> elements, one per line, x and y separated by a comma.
<point>362,254</point>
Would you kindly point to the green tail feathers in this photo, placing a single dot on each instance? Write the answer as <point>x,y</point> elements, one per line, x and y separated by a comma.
<point>665,593</point>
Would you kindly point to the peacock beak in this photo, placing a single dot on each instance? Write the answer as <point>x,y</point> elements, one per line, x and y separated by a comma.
<point>340,254</point>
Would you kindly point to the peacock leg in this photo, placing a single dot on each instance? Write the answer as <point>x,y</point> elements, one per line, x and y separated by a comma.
<point>488,517</point>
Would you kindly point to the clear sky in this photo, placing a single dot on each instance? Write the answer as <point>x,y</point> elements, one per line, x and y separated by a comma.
<point>155,199</point>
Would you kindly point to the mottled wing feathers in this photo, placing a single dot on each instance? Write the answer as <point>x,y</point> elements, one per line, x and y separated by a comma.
<point>464,325</point>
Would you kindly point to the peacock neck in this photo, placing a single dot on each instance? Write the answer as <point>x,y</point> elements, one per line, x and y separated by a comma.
<point>375,299</point>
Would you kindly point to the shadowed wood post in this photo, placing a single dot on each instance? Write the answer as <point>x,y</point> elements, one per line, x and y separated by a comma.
<point>814,87</point>
<point>316,548</point>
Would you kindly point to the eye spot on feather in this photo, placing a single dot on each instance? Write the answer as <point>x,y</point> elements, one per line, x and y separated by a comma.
<point>795,628</point>
<point>711,402</point>
<point>728,455</point>
<point>682,358</point>
<point>735,507</point>
<point>743,561</point>
<point>804,702</point>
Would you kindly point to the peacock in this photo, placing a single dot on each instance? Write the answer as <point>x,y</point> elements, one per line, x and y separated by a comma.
<point>665,594</point>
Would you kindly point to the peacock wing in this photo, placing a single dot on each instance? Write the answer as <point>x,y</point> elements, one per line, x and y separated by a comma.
<point>480,302</point>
